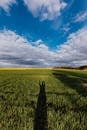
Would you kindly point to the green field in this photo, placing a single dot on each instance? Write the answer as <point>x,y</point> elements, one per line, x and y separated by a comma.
<point>64,99</point>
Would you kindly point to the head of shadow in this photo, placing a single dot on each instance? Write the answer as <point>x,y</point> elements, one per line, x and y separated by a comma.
<point>40,121</point>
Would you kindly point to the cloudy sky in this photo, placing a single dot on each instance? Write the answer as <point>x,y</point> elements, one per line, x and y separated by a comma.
<point>43,33</point>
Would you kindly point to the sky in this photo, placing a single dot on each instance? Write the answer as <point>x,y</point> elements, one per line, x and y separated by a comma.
<point>43,33</point>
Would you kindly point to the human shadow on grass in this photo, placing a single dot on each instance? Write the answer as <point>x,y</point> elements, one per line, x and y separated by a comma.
<point>72,81</point>
<point>40,121</point>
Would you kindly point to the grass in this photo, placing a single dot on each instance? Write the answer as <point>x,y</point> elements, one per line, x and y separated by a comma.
<point>64,94</point>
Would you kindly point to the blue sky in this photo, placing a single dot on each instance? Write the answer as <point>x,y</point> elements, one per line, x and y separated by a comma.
<point>43,33</point>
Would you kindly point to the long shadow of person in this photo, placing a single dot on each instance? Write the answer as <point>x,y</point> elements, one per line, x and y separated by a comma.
<point>40,121</point>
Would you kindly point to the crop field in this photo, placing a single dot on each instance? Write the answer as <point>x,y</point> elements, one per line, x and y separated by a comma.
<point>43,99</point>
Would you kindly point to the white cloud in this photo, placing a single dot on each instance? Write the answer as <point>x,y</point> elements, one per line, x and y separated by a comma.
<point>74,51</point>
<point>66,27</point>
<point>45,9</point>
<point>81,17</point>
<point>6,4</point>
<point>16,51</point>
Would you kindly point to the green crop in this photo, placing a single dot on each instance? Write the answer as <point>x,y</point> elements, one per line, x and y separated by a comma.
<point>65,95</point>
